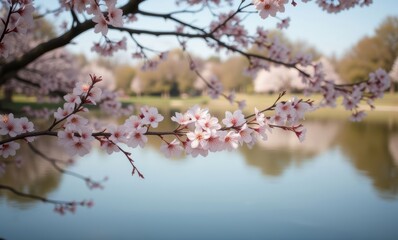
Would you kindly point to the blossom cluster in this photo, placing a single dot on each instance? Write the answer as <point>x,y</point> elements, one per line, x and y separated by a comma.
<point>77,133</point>
<point>17,22</point>
<point>274,49</point>
<point>107,47</point>
<point>199,133</point>
<point>269,7</point>
<point>340,5</point>
<point>113,15</point>
<point>215,87</point>
<point>352,94</point>
<point>12,126</point>
<point>230,25</point>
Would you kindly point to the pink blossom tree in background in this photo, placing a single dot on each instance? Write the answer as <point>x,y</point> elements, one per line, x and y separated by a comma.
<point>41,68</point>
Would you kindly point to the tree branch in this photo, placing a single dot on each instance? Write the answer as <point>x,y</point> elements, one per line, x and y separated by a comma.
<point>8,70</point>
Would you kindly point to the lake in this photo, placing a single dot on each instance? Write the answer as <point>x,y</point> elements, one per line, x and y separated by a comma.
<point>341,183</point>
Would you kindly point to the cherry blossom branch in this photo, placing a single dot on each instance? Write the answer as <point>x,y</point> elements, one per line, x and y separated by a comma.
<point>169,16</point>
<point>253,55</point>
<point>59,206</point>
<point>240,8</point>
<point>91,184</point>
<point>7,71</point>
<point>97,134</point>
<point>270,108</point>
<point>128,155</point>
<point>6,30</point>
<point>218,41</point>
<point>74,18</point>
<point>187,10</point>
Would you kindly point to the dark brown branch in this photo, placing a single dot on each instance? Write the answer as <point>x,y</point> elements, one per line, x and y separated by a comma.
<point>54,134</point>
<point>169,16</point>
<point>5,30</point>
<point>36,197</point>
<point>9,69</point>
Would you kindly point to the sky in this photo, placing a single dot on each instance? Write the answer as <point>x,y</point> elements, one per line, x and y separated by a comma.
<point>332,34</point>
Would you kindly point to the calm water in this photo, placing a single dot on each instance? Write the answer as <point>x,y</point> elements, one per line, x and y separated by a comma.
<point>342,183</point>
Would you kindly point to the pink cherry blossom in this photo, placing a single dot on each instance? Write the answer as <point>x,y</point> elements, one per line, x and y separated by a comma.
<point>152,117</point>
<point>300,132</point>
<point>10,125</point>
<point>79,146</point>
<point>208,123</point>
<point>101,25</point>
<point>230,139</point>
<point>9,149</point>
<point>196,113</point>
<point>63,112</point>
<point>65,137</point>
<point>76,122</point>
<point>115,17</point>
<point>278,119</point>
<point>284,23</point>
<point>118,134</point>
<point>109,147</point>
<point>194,152</point>
<point>93,8</point>
<point>137,137</point>
<point>26,125</point>
<point>172,149</point>
<point>235,119</point>
<point>133,122</point>
<point>261,131</point>
<point>260,118</point>
<point>198,138</point>
<point>284,109</point>
<point>266,7</point>
<point>213,142</point>
<point>182,119</point>
<point>245,134</point>
<point>358,116</point>
<point>73,99</point>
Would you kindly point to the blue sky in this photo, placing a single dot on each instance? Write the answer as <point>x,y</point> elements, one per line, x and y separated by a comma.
<point>330,33</point>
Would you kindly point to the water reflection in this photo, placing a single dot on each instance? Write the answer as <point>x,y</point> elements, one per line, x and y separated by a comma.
<point>34,175</point>
<point>283,150</point>
<point>371,148</point>
<point>393,147</point>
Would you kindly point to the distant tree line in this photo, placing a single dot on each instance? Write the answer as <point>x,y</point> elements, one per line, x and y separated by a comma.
<point>174,77</point>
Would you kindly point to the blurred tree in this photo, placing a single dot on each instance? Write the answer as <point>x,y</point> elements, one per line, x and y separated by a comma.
<point>371,53</point>
<point>231,74</point>
<point>172,73</point>
<point>375,161</point>
<point>124,74</point>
